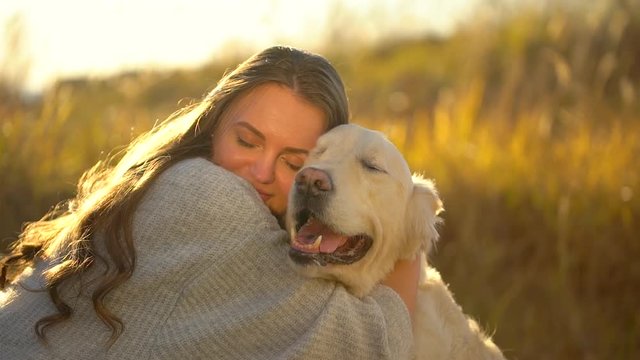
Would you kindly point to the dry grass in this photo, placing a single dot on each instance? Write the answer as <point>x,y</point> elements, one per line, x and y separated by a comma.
<point>539,241</point>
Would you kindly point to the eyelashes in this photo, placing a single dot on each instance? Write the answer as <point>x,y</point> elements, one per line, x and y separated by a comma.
<point>372,166</point>
<point>244,143</point>
<point>319,151</point>
<point>290,165</point>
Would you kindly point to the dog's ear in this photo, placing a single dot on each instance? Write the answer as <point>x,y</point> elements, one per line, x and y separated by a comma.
<point>422,215</point>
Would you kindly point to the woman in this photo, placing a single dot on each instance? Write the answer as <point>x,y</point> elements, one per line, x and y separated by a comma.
<point>172,253</point>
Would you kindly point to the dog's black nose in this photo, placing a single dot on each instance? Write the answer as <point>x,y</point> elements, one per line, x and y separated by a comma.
<point>313,181</point>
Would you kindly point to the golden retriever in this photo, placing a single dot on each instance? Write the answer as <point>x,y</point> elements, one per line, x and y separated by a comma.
<point>354,210</point>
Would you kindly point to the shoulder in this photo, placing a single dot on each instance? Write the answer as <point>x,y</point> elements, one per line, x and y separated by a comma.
<point>198,188</point>
<point>200,173</point>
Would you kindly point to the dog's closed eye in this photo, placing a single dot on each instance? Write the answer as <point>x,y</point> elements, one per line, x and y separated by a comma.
<point>318,151</point>
<point>372,166</point>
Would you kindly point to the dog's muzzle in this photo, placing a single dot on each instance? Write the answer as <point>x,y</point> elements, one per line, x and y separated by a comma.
<point>313,239</point>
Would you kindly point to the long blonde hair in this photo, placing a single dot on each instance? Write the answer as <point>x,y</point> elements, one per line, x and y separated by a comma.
<point>107,195</point>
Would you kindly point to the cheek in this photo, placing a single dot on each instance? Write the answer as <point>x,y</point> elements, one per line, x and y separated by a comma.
<point>225,155</point>
<point>286,180</point>
<point>218,150</point>
<point>387,197</point>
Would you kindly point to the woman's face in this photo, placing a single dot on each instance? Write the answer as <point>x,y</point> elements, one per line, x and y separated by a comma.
<point>264,137</point>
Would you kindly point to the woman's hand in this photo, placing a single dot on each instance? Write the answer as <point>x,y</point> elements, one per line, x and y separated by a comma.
<point>404,280</point>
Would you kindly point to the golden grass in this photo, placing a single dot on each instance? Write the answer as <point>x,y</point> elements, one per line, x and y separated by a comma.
<point>539,230</point>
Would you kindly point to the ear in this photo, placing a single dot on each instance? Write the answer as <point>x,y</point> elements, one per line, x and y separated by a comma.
<point>422,214</point>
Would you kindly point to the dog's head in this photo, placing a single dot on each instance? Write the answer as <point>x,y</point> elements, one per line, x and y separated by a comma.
<point>355,209</point>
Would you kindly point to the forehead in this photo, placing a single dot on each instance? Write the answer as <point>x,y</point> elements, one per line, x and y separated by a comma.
<point>359,140</point>
<point>273,99</point>
<point>277,111</point>
<point>366,144</point>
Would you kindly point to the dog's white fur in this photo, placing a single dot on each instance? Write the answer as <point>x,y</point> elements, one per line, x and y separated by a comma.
<point>375,193</point>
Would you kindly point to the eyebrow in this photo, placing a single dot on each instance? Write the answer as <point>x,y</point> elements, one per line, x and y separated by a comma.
<point>288,150</point>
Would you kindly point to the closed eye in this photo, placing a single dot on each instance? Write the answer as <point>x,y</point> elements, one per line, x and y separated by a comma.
<point>244,143</point>
<point>293,161</point>
<point>293,167</point>
<point>318,151</point>
<point>371,166</point>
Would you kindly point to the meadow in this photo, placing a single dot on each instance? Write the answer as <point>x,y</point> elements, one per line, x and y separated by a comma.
<point>530,127</point>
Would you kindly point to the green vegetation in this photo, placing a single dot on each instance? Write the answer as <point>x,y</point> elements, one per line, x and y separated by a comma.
<point>530,127</point>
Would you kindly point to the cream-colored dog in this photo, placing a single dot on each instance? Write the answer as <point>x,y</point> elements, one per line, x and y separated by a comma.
<point>354,210</point>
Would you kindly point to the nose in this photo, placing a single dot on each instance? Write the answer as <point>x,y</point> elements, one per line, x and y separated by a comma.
<point>313,181</point>
<point>263,170</point>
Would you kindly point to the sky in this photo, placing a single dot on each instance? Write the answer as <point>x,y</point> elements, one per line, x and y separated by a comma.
<point>68,38</point>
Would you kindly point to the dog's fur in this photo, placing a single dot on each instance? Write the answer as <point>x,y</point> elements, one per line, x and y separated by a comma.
<point>359,186</point>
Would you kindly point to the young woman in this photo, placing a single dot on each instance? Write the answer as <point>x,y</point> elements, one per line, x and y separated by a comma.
<point>176,250</point>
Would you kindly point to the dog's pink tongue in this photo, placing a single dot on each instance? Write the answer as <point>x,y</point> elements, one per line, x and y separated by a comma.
<point>314,228</point>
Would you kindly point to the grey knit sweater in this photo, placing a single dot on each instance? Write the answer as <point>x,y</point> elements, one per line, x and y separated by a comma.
<point>211,282</point>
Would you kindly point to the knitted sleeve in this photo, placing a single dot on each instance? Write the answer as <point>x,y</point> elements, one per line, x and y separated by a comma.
<point>237,297</point>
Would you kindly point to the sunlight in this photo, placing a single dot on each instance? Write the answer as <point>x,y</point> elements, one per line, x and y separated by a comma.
<point>70,38</point>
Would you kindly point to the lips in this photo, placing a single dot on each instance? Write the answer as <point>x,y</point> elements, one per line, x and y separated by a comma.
<point>264,196</point>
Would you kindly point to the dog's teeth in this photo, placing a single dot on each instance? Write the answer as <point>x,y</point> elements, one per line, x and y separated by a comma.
<point>316,244</point>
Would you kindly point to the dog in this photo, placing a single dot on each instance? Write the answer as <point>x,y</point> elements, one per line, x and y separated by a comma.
<point>354,209</point>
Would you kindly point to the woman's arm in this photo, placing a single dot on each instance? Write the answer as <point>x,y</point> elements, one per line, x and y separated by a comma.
<point>239,297</point>
<point>404,281</point>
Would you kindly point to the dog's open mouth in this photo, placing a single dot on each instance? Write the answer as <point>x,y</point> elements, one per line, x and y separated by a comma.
<point>315,242</point>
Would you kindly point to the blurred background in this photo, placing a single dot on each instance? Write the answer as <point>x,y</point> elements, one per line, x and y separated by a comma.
<point>526,114</point>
